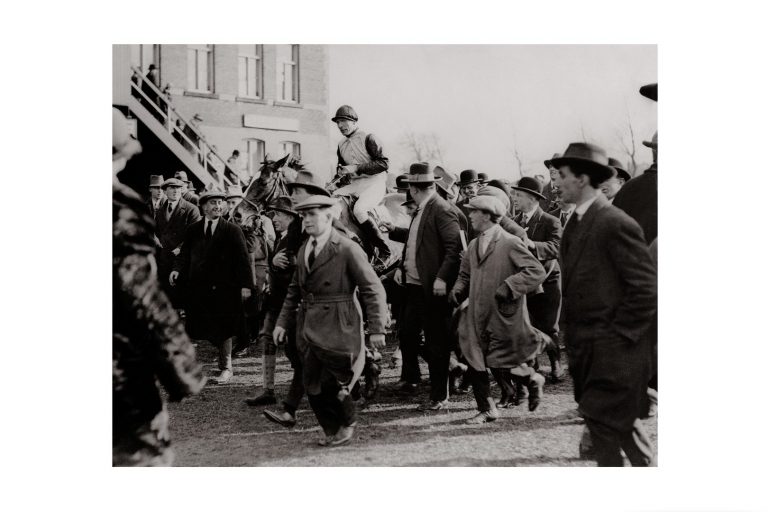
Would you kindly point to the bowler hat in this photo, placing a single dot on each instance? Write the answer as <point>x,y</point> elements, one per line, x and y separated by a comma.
<point>446,180</point>
<point>650,91</point>
<point>172,182</point>
<point>234,191</point>
<point>155,180</point>
<point>315,202</point>
<point>620,172</point>
<point>211,194</point>
<point>488,204</point>
<point>283,204</point>
<point>531,186</point>
<point>548,163</point>
<point>400,183</point>
<point>345,112</point>
<point>306,179</point>
<point>468,176</point>
<point>497,193</point>
<point>182,175</point>
<point>482,177</point>
<point>593,160</point>
<point>421,172</point>
<point>654,143</point>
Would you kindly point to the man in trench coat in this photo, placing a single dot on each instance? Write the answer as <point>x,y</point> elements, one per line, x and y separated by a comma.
<point>609,300</point>
<point>322,302</point>
<point>497,271</point>
<point>214,272</point>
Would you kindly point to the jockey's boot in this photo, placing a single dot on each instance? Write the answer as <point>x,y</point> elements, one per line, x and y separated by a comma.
<point>376,239</point>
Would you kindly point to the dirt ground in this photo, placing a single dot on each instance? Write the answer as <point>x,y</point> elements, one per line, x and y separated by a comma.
<point>216,427</point>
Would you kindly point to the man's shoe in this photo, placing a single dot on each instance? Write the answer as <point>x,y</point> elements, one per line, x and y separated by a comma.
<point>521,394</point>
<point>223,377</point>
<point>506,402</point>
<point>407,389</point>
<point>285,418</point>
<point>556,375</point>
<point>325,440</point>
<point>434,405</point>
<point>482,417</point>
<point>343,436</point>
<point>240,352</point>
<point>536,389</point>
<point>266,398</point>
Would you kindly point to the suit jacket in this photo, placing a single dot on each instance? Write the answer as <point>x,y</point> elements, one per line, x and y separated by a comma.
<point>499,335</point>
<point>322,303</point>
<point>545,231</point>
<point>437,244</point>
<point>549,197</point>
<point>280,278</point>
<point>639,198</point>
<point>171,231</point>
<point>609,300</point>
<point>212,274</point>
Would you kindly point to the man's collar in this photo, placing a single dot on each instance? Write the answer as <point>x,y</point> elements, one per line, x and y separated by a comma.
<point>491,230</point>
<point>433,193</point>
<point>530,214</point>
<point>353,132</point>
<point>583,207</point>
<point>322,239</point>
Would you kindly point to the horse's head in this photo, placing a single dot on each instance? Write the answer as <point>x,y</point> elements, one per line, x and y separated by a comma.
<point>270,183</point>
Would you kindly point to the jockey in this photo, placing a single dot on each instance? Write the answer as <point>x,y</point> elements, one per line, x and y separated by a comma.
<point>361,158</point>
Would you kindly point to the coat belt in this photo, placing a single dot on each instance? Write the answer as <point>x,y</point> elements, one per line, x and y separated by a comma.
<point>311,298</point>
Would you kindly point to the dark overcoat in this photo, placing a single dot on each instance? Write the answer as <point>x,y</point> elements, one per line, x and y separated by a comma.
<point>171,233</point>
<point>212,274</point>
<point>639,198</point>
<point>326,311</point>
<point>493,334</point>
<point>609,300</point>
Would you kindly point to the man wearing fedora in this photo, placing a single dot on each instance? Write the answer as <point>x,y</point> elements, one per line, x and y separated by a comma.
<point>543,234</point>
<point>234,198</point>
<point>612,185</point>
<point>640,197</point>
<point>171,222</point>
<point>444,188</point>
<point>361,157</point>
<point>214,271</point>
<point>281,268</point>
<point>322,302</point>
<point>155,194</point>
<point>609,300</point>
<point>187,193</point>
<point>429,264</point>
<point>497,271</point>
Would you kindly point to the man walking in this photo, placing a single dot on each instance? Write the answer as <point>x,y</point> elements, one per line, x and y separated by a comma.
<point>187,193</point>
<point>543,240</point>
<point>609,299</point>
<point>213,268</point>
<point>322,302</point>
<point>430,265</point>
<point>155,195</point>
<point>497,271</point>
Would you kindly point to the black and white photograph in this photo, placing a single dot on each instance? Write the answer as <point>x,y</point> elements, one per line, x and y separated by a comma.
<point>385,255</point>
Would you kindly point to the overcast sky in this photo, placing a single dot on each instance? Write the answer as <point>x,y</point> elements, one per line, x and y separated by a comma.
<point>483,101</point>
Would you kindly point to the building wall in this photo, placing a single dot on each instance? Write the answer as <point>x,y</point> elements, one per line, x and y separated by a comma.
<point>306,122</point>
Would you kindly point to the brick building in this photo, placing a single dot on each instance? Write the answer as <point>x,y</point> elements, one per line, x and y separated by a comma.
<point>258,99</point>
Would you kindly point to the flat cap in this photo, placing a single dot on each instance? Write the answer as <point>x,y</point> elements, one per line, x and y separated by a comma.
<point>488,204</point>
<point>316,201</point>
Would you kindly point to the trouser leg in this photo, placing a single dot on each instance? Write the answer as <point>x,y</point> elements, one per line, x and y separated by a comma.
<point>606,443</point>
<point>296,389</point>
<point>637,446</point>
<point>504,379</point>
<point>438,346</point>
<point>325,417</point>
<point>410,333</point>
<point>225,354</point>
<point>481,387</point>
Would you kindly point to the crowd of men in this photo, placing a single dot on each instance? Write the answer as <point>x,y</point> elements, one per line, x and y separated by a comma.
<point>491,275</point>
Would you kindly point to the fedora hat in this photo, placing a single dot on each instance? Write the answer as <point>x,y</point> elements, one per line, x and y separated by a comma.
<point>650,91</point>
<point>468,176</point>
<point>482,177</point>
<point>620,172</point>
<point>593,159</point>
<point>211,194</point>
<point>446,179</point>
<point>421,172</point>
<point>315,202</point>
<point>156,180</point>
<point>488,204</point>
<point>172,182</point>
<point>400,183</point>
<point>345,112</point>
<point>283,204</point>
<point>408,199</point>
<point>306,179</point>
<point>234,191</point>
<point>654,143</point>
<point>548,163</point>
<point>182,175</point>
<point>531,186</point>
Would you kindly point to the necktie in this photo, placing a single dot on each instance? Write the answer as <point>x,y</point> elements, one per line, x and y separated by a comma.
<point>311,258</point>
<point>170,208</point>
<point>208,229</point>
<point>523,223</point>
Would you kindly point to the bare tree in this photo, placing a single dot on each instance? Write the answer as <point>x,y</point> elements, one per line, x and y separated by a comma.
<point>627,142</point>
<point>423,146</point>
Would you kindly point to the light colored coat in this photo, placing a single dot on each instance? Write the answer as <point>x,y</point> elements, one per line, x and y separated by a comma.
<point>492,334</point>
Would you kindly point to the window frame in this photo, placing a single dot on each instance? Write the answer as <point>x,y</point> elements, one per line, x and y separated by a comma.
<point>194,50</point>
<point>295,76</point>
<point>258,63</point>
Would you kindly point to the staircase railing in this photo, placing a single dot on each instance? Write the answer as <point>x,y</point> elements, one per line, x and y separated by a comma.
<point>184,132</point>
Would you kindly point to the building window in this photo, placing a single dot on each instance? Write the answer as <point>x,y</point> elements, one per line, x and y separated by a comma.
<point>249,70</point>
<point>255,155</point>
<point>288,72</point>
<point>200,67</point>
<point>294,148</point>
